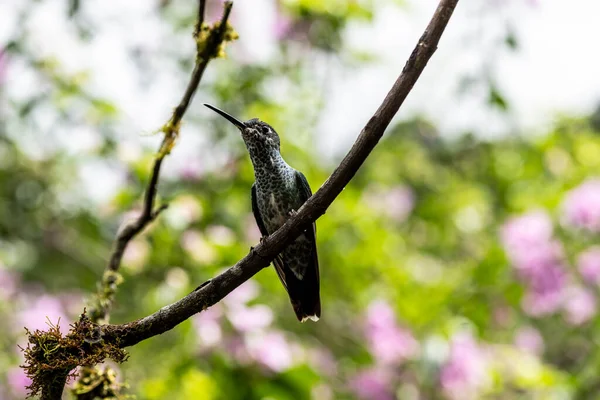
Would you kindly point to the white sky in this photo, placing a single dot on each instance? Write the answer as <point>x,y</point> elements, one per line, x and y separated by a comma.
<point>555,71</point>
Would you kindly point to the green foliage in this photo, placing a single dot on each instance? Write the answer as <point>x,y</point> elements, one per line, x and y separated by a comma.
<point>418,229</point>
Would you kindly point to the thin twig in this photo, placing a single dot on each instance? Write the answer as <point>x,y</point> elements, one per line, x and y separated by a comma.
<point>107,289</point>
<point>212,44</point>
<point>200,18</point>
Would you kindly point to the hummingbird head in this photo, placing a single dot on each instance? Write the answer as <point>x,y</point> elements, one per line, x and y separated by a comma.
<point>256,133</point>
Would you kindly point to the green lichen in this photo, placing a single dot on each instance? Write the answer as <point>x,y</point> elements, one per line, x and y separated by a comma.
<point>171,131</point>
<point>206,37</point>
<point>99,383</point>
<point>102,301</point>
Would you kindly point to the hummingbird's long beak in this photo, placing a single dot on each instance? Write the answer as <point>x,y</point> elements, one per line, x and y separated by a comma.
<point>228,117</point>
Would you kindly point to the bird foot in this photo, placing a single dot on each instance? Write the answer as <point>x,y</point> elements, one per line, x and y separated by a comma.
<point>292,212</point>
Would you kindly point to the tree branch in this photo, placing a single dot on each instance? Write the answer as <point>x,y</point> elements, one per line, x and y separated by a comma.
<point>214,290</point>
<point>217,288</point>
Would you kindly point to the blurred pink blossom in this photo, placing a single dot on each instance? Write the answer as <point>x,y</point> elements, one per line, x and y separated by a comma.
<point>581,206</point>
<point>136,254</point>
<point>251,231</point>
<point>522,233</point>
<point>235,346</point>
<point>213,11</point>
<point>17,382</point>
<point>9,283</point>
<point>399,202</point>
<point>396,203</point>
<point>196,245</point>
<point>580,306</point>
<point>191,170</point>
<point>72,302</point>
<point>388,343</point>
<point>220,235</point>
<point>242,294</point>
<point>465,371</point>
<point>41,310</point>
<point>372,384</point>
<point>208,325</point>
<point>324,361</point>
<point>183,211</point>
<point>270,349</point>
<point>248,319</point>
<point>282,26</point>
<point>3,65</point>
<point>538,259</point>
<point>529,339</point>
<point>588,264</point>
<point>545,293</point>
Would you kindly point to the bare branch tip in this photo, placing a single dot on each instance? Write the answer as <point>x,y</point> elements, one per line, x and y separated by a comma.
<point>160,209</point>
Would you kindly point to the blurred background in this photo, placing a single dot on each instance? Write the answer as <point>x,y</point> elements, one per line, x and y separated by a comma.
<point>462,262</point>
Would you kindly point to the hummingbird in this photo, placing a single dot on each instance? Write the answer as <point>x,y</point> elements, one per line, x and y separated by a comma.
<point>278,192</point>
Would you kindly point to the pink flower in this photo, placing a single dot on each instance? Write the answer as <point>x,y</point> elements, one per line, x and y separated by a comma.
<point>538,259</point>
<point>183,211</point>
<point>588,264</point>
<point>43,309</point>
<point>3,65</point>
<point>192,170</point>
<point>236,347</point>
<point>271,350</point>
<point>396,203</point>
<point>529,244</point>
<point>251,231</point>
<point>208,326</point>
<point>399,202</point>
<point>581,206</point>
<point>465,371</point>
<point>282,26</point>
<point>248,319</point>
<point>580,306</point>
<point>220,235</point>
<point>529,340</point>
<point>136,254</point>
<point>196,245</point>
<point>9,282</point>
<point>526,230</point>
<point>545,292</point>
<point>324,361</point>
<point>18,381</point>
<point>242,294</point>
<point>372,384</point>
<point>389,343</point>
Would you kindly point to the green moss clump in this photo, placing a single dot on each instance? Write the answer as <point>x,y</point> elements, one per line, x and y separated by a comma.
<point>50,357</point>
<point>99,383</point>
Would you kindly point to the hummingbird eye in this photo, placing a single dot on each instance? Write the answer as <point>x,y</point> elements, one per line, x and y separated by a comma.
<point>264,130</point>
